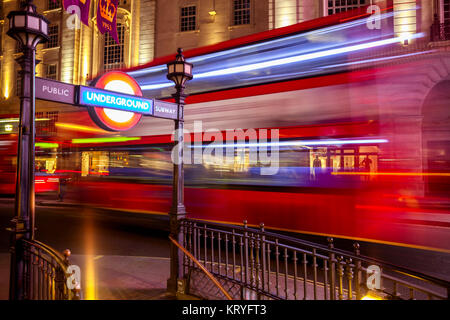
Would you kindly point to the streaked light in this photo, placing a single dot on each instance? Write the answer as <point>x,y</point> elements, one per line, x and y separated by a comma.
<point>304,57</point>
<point>404,174</point>
<point>9,120</point>
<point>298,143</point>
<point>294,59</point>
<point>377,59</point>
<point>196,59</point>
<point>17,120</point>
<point>156,86</point>
<point>105,140</point>
<point>371,296</point>
<point>77,127</point>
<point>46,145</point>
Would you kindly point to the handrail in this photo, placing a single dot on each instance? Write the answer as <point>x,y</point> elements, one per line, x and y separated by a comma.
<point>261,253</point>
<point>49,250</point>
<point>362,258</point>
<point>55,262</point>
<point>210,276</point>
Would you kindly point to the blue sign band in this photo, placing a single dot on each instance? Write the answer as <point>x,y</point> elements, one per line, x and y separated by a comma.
<point>99,98</point>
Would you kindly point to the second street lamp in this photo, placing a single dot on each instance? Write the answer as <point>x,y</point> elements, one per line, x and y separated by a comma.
<point>179,71</point>
<point>29,29</point>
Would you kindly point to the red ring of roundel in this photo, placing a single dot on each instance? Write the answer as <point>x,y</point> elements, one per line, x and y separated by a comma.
<point>98,114</point>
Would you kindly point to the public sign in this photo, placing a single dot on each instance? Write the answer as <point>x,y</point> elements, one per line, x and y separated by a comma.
<point>114,104</point>
<point>166,110</point>
<point>55,91</point>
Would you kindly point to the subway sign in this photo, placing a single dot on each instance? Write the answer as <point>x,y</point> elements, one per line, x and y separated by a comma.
<point>114,102</point>
<point>118,109</point>
<point>99,98</point>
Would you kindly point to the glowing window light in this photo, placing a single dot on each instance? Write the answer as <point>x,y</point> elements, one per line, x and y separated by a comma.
<point>6,93</point>
<point>8,127</point>
<point>105,140</point>
<point>405,20</point>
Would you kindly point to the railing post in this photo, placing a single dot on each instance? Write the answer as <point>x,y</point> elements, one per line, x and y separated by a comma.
<point>332,271</point>
<point>357,271</point>
<point>340,270</point>
<point>263,255</point>
<point>246,251</point>
<point>349,272</point>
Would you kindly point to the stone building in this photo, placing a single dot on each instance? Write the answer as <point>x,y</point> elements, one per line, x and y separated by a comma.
<point>154,28</point>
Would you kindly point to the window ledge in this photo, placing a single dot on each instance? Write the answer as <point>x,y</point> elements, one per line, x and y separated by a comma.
<point>188,32</point>
<point>53,10</point>
<point>238,26</point>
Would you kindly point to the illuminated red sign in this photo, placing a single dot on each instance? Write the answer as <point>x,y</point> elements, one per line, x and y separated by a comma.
<point>113,119</point>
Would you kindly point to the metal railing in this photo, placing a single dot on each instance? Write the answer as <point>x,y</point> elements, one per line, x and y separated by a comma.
<point>439,31</point>
<point>45,272</point>
<point>202,267</point>
<point>256,264</point>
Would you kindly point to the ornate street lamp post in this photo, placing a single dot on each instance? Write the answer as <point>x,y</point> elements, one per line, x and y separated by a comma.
<point>29,28</point>
<point>179,71</point>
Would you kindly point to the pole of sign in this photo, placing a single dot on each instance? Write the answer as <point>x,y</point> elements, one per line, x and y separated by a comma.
<point>28,28</point>
<point>179,71</point>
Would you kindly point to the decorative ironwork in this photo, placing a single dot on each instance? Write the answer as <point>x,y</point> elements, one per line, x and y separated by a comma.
<point>266,265</point>
<point>45,272</point>
<point>439,31</point>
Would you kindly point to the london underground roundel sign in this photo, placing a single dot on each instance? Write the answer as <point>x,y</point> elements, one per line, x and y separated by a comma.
<point>112,119</point>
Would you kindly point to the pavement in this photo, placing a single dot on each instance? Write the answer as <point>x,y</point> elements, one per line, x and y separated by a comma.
<point>121,257</point>
<point>111,277</point>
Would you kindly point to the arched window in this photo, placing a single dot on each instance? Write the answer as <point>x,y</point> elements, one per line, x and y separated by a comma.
<point>113,54</point>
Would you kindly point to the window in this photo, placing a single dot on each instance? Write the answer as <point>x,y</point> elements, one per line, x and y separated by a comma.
<point>53,34</point>
<point>21,4</point>
<point>241,12</point>
<point>51,71</point>
<point>18,84</point>
<point>53,4</point>
<point>337,6</point>
<point>188,15</point>
<point>113,55</point>
<point>446,17</point>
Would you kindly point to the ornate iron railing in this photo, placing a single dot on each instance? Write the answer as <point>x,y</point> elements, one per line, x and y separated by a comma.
<point>439,31</point>
<point>256,264</point>
<point>202,267</point>
<point>45,272</point>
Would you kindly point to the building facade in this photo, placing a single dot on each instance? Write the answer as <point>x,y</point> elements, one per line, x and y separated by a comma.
<point>75,52</point>
<point>154,28</point>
